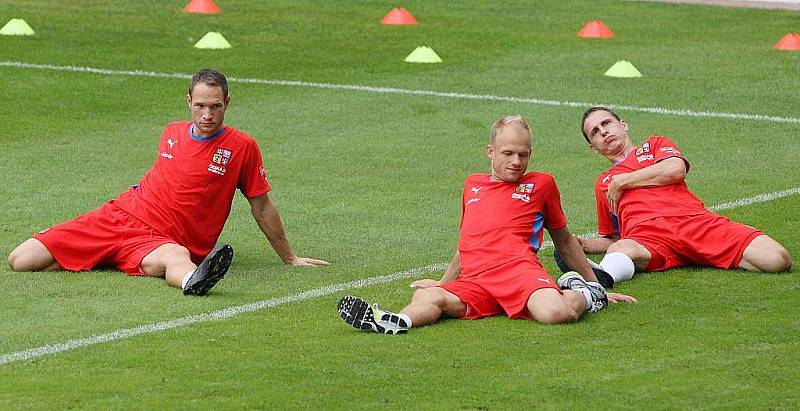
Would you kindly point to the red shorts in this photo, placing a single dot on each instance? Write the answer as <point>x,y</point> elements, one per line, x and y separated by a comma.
<point>705,239</point>
<point>501,290</point>
<point>107,236</point>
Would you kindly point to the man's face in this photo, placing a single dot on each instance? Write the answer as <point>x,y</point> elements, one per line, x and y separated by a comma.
<point>607,135</point>
<point>509,154</point>
<point>208,108</point>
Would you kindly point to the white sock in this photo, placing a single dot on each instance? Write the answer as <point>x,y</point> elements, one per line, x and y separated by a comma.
<point>405,318</point>
<point>618,265</point>
<point>587,294</point>
<point>186,278</point>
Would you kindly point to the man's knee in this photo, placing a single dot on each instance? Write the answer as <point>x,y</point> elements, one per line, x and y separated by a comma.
<point>431,295</point>
<point>635,251</point>
<point>552,309</point>
<point>776,260</point>
<point>156,262</point>
<point>766,255</point>
<point>30,256</point>
<point>555,314</point>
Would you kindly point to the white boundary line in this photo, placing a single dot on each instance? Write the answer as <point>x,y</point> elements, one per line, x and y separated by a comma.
<point>429,93</point>
<point>305,295</point>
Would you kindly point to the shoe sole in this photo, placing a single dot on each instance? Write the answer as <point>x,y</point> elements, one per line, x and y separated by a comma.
<point>218,263</point>
<point>357,313</point>
<point>360,315</point>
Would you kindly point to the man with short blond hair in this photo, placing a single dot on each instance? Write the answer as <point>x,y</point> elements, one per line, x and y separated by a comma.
<point>495,269</point>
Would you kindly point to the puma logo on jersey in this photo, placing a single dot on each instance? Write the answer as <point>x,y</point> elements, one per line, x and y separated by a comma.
<point>476,190</point>
<point>171,142</point>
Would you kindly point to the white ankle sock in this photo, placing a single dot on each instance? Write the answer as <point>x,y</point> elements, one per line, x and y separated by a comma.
<point>186,278</point>
<point>618,265</point>
<point>587,294</point>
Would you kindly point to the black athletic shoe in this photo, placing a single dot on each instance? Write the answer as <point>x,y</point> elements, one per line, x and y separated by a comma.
<point>362,316</point>
<point>210,271</point>
<point>604,278</point>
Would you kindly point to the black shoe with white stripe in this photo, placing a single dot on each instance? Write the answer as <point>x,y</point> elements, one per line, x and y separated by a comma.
<point>210,271</point>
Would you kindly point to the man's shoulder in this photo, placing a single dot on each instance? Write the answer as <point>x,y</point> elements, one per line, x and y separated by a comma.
<point>540,177</point>
<point>477,177</point>
<point>239,135</point>
<point>178,124</point>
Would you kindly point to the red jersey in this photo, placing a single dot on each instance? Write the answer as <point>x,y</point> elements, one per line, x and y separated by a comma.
<point>642,204</point>
<point>501,222</point>
<point>188,193</point>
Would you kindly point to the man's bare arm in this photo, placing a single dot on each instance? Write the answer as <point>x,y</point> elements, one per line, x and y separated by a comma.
<point>269,221</point>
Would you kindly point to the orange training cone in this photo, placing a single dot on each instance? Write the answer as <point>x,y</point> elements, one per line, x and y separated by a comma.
<point>791,41</point>
<point>595,29</point>
<point>202,6</point>
<point>399,16</point>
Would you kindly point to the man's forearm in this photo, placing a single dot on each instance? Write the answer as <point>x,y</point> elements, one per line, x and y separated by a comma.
<point>269,221</point>
<point>596,245</point>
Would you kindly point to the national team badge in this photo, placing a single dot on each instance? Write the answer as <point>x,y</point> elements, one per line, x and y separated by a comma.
<point>220,160</point>
<point>525,188</point>
<point>221,156</point>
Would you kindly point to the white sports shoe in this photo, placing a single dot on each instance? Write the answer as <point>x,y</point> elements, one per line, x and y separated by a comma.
<point>573,281</point>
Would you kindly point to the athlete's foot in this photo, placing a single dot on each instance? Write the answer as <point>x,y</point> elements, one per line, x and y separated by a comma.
<point>210,271</point>
<point>604,278</point>
<point>573,281</point>
<point>362,316</point>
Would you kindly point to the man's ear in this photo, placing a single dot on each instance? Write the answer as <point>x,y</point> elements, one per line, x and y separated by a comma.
<point>189,100</point>
<point>227,101</point>
<point>624,125</point>
<point>489,151</point>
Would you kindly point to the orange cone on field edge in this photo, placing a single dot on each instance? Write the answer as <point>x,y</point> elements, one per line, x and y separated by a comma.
<point>595,29</point>
<point>202,6</point>
<point>791,41</point>
<point>399,16</point>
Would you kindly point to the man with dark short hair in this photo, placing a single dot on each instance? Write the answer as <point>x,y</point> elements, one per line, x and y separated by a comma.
<point>167,225</point>
<point>648,220</point>
<point>496,270</point>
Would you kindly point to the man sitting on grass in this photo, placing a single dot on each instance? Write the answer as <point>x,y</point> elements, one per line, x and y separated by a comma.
<point>495,270</point>
<point>648,220</point>
<point>169,223</point>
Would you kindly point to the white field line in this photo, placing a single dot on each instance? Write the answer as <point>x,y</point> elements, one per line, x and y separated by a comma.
<point>305,295</point>
<point>216,315</point>
<point>428,93</point>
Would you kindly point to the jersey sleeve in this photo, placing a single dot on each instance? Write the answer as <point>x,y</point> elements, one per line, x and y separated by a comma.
<point>554,218</point>
<point>253,178</point>
<point>607,223</point>
<point>664,148</point>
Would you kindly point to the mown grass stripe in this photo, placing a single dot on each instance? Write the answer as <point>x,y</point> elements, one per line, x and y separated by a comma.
<point>416,92</point>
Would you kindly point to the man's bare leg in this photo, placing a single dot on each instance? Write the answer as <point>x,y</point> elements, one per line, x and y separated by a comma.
<point>548,306</point>
<point>428,305</point>
<point>32,255</point>
<point>765,255</point>
<point>169,261</point>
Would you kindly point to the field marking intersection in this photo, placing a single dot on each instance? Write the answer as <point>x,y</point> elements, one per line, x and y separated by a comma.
<point>304,295</point>
<point>416,92</point>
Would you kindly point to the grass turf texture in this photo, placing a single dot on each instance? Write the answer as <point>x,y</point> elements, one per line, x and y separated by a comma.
<point>372,183</point>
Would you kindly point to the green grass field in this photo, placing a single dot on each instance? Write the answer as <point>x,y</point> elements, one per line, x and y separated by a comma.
<point>372,182</point>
